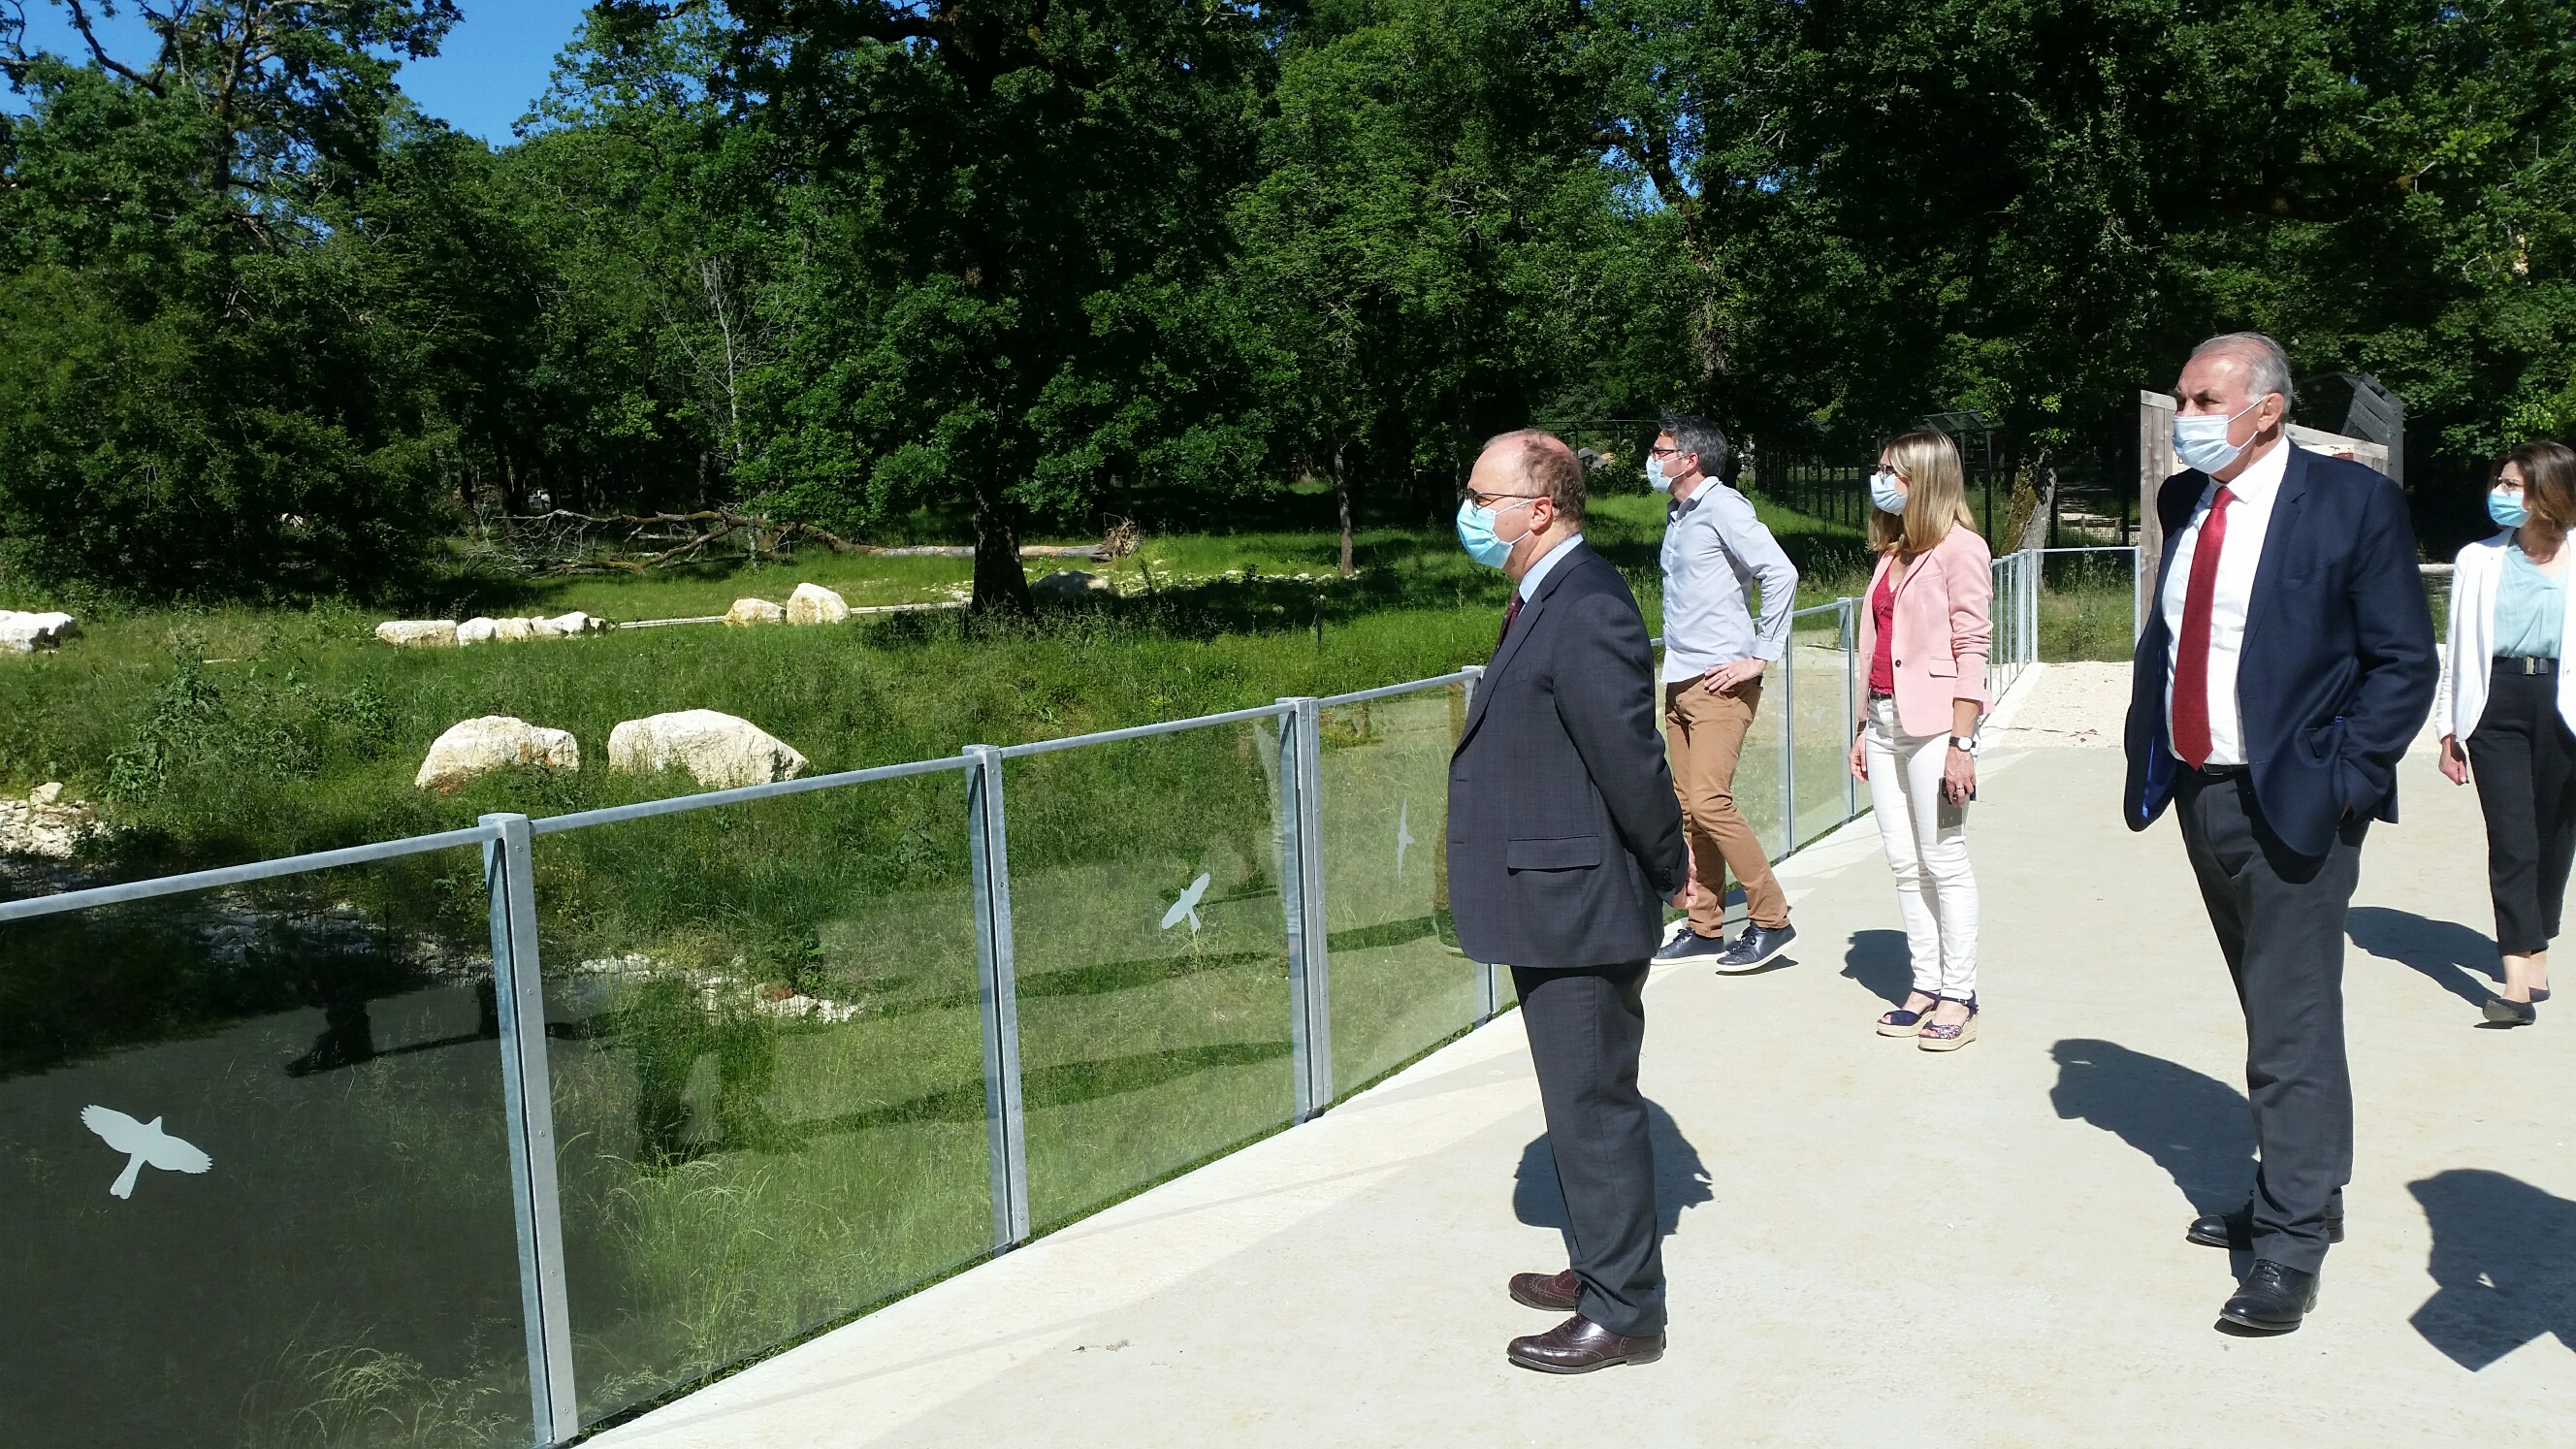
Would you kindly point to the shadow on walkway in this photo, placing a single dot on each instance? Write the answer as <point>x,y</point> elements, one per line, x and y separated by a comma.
<point>1681,1180</point>
<point>2443,950</point>
<point>2197,1128</point>
<point>1879,960</point>
<point>2504,1255</point>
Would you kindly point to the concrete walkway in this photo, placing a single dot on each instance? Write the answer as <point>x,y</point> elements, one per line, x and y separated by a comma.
<point>1869,1244</point>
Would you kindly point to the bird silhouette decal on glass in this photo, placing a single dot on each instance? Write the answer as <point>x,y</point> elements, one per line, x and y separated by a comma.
<point>1187,905</point>
<point>142,1142</point>
<point>1403,832</point>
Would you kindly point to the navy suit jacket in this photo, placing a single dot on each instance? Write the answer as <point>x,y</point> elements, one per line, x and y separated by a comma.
<point>1565,837</point>
<point>2337,670</point>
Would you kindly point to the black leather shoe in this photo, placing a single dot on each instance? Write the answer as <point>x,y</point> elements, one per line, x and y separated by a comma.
<point>1578,1346</point>
<point>2272,1299</point>
<point>1689,944</point>
<point>1757,945</point>
<point>1552,1292</point>
<point>2235,1230</point>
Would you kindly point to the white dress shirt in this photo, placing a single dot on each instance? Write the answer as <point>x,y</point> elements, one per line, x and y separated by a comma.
<point>1539,567</point>
<point>2249,518</point>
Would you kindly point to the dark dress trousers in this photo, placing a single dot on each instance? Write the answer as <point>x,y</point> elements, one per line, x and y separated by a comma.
<point>1565,839</point>
<point>2335,677</point>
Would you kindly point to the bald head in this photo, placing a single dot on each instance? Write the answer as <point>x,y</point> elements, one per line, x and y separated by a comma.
<point>1537,462</point>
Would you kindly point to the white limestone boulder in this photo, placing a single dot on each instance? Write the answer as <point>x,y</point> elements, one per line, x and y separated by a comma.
<point>718,750</point>
<point>815,604</point>
<point>755,611</point>
<point>562,626</point>
<point>1068,584</point>
<point>42,825</point>
<point>477,630</point>
<point>27,633</point>
<point>419,633</point>
<point>496,741</point>
<point>513,631</point>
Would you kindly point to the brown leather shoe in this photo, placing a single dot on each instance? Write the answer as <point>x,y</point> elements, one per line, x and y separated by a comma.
<point>1578,1346</point>
<point>1549,1292</point>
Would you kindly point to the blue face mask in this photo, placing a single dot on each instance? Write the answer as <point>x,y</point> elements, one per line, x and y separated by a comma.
<point>2201,442</point>
<point>2505,506</point>
<point>1655,478</point>
<point>1476,532</point>
<point>1886,492</point>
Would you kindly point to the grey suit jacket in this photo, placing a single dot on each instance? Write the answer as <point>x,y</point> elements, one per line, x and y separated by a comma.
<point>1564,835</point>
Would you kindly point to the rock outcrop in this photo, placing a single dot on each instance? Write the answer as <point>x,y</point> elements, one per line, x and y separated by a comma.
<point>755,611</point>
<point>419,633</point>
<point>815,604</point>
<point>42,825</point>
<point>496,741</point>
<point>1068,584</point>
<point>27,633</point>
<point>718,750</point>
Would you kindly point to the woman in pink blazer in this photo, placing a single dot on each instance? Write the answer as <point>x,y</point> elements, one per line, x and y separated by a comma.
<point>1926,629</point>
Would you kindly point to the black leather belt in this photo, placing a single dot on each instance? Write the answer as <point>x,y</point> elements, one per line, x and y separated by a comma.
<point>2524,664</point>
<point>1875,696</point>
<point>2216,772</point>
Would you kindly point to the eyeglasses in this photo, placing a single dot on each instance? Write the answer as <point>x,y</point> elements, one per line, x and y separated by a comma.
<point>1489,501</point>
<point>1663,452</point>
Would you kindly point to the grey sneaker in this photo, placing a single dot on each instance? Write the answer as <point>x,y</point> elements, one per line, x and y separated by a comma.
<point>1756,946</point>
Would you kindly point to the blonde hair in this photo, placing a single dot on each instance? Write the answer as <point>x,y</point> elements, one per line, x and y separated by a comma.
<point>1936,495</point>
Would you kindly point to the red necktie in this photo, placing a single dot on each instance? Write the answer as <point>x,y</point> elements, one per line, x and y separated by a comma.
<point>2191,660</point>
<point>1509,615</point>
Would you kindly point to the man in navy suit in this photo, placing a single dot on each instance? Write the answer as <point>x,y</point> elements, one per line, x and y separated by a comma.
<point>1565,839</point>
<point>2286,666</point>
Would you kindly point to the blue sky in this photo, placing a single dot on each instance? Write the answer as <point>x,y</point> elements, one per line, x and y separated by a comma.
<point>482,80</point>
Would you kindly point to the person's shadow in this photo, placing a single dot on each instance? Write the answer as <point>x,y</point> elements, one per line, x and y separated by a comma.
<point>1881,961</point>
<point>2446,951</point>
<point>2197,1128</point>
<point>2504,1257</point>
<point>1681,1179</point>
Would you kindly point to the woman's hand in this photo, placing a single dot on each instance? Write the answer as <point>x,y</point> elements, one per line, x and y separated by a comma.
<point>1958,775</point>
<point>1859,761</point>
<point>2455,766</point>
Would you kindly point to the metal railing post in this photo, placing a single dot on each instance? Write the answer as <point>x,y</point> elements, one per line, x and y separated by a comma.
<point>536,1199</point>
<point>1789,742</point>
<point>2137,596</point>
<point>1301,894</point>
<point>997,994</point>
<point>1851,698</point>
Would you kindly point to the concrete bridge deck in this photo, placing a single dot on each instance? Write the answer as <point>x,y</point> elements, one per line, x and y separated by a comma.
<point>1868,1244</point>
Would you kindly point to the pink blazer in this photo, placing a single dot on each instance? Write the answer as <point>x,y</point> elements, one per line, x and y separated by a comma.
<point>1944,630</point>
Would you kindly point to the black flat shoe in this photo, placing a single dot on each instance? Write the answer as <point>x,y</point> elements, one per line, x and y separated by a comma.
<point>1757,945</point>
<point>1690,945</point>
<point>2272,1299</point>
<point>2235,1230</point>
<point>2511,1013</point>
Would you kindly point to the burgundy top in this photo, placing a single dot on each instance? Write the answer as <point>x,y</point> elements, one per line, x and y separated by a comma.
<point>1882,608</point>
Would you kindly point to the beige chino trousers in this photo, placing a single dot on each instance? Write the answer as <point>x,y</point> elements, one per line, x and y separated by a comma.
<point>1704,734</point>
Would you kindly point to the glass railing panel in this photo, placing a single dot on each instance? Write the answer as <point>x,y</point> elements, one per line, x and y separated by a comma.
<point>1821,728</point>
<point>1757,773</point>
<point>768,1072</point>
<point>1152,954</point>
<point>1400,985</point>
<point>253,1166</point>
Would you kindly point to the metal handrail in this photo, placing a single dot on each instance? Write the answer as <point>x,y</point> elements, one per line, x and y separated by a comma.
<point>198,880</point>
<point>1388,691</point>
<point>1140,732</point>
<point>707,799</point>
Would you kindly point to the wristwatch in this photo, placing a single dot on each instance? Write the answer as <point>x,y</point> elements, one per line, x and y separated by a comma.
<point>1966,742</point>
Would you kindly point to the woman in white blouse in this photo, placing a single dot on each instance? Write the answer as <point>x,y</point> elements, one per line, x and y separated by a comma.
<point>2504,694</point>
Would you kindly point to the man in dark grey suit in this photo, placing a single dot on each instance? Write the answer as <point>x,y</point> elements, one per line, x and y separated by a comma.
<point>1564,837</point>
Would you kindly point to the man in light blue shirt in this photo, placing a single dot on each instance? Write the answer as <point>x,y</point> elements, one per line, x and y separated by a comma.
<point>1717,555</point>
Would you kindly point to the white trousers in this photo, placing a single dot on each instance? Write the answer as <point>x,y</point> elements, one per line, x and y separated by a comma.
<point>1935,890</point>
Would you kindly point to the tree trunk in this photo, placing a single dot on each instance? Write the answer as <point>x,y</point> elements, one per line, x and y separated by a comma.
<point>2033,504</point>
<point>1342,502</point>
<point>1000,582</point>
